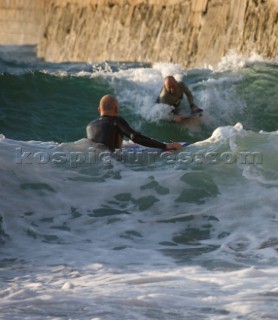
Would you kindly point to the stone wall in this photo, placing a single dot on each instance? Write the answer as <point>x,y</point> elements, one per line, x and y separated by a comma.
<point>21,21</point>
<point>189,32</point>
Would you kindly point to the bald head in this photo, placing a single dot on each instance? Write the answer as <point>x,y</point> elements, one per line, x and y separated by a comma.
<point>108,106</point>
<point>170,84</point>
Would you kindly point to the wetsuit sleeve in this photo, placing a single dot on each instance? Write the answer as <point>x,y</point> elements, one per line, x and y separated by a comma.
<point>187,93</point>
<point>138,137</point>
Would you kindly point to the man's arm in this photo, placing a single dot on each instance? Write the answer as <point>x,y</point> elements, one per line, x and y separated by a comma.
<point>187,93</point>
<point>143,140</point>
<point>149,142</point>
<point>190,98</point>
<point>138,137</point>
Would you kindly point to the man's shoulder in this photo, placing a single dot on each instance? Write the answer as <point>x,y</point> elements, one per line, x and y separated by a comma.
<point>119,119</point>
<point>181,84</point>
<point>163,93</point>
<point>92,122</point>
<point>106,119</point>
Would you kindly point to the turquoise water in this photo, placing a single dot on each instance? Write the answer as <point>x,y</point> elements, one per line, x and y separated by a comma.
<point>192,235</point>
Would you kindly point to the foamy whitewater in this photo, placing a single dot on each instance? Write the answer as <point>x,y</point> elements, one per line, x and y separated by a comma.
<point>188,235</point>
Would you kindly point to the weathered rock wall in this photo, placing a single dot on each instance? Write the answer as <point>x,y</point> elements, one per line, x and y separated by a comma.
<point>189,32</point>
<point>21,21</point>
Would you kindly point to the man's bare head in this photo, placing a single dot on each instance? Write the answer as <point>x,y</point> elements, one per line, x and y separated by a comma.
<point>108,106</point>
<point>170,84</point>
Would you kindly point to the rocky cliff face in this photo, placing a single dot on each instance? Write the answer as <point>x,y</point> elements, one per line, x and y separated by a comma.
<point>20,21</point>
<point>189,32</point>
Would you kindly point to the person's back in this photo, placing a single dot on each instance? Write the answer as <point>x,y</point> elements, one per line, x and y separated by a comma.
<point>108,131</point>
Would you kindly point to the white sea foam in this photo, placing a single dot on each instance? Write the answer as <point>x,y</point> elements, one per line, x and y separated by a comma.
<point>82,261</point>
<point>137,90</point>
<point>166,240</point>
<point>235,61</point>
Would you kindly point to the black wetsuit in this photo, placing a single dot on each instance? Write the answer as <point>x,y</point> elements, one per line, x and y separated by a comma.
<point>110,130</point>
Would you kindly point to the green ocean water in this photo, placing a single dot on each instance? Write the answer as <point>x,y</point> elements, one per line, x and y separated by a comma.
<point>192,235</point>
<point>56,106</point>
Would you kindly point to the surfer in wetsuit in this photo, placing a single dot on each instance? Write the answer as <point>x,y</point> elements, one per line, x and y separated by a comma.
<point>172,94</point>
<point>109,129</point>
